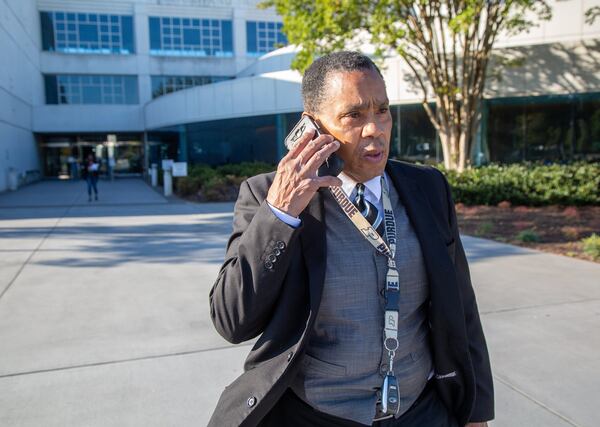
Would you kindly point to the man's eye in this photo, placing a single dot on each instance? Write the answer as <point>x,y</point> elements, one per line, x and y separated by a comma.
<point>383,110</point>
<point>353,114</point>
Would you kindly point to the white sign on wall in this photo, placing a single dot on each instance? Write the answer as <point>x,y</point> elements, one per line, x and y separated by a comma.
<point>180,169</point>
<point>167,164</point>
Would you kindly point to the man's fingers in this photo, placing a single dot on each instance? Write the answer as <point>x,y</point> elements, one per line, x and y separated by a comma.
<point>304,139</point>
<point>320,156</point>
<point>315,145</point>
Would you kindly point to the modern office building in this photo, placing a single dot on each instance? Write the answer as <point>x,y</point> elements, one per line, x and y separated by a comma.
<point>135,81</point>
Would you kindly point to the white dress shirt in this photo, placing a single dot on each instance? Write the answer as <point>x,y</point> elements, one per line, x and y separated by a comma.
<point>372,194</point>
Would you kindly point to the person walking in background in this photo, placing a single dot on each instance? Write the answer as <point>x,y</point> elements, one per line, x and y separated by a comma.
<point>89,172</point>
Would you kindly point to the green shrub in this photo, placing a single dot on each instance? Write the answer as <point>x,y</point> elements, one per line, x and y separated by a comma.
<point>527,184</point>
<point>528,236</point>
<point>591,246</point>
<point>220,183</point>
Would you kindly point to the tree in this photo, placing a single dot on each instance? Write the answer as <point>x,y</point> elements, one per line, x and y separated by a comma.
<point>447,45</point>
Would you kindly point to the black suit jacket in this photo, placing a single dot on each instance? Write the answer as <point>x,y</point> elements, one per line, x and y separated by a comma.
<point>271,281</point>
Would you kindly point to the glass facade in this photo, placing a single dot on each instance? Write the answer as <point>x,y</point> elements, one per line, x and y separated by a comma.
<point>550,129</point>
<point>87,33</point>
<point>62,153</point>
<point>161,85</point>
<point>190,36</point>
<point>546,128</point>
<point>90,89</point>
<point>263,37</point>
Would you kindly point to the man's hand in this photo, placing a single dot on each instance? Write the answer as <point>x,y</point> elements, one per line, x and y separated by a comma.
<point>296,180</point>
<point>477,425</point>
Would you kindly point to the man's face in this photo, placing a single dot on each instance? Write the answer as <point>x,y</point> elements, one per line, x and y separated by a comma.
<point>356,112</point>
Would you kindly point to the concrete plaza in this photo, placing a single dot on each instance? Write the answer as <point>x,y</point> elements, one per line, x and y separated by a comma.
<point>104,316</point>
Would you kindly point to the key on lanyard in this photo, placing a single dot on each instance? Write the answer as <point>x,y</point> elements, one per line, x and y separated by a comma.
<point>390,398</point>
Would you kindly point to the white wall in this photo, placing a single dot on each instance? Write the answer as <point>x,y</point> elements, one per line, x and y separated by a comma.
<point>20,86</point>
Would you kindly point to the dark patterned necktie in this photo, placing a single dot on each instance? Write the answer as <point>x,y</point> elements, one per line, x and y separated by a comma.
<point>366,208</point>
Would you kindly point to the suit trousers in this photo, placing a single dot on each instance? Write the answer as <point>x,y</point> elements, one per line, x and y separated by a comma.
<point>291,411</point>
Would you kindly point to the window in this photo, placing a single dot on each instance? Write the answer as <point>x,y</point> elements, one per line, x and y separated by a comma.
<point>263,37</point>
<point>550,128</point>
<point>87,33</point>
<point>190,37</point>
<point>161,85</point>
<point>91,89</point>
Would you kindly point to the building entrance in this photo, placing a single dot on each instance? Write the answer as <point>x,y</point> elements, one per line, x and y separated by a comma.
<point>117,154</point>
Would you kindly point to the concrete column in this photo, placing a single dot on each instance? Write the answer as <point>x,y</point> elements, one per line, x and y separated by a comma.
<point>142,50</point>
<point>239,39</point>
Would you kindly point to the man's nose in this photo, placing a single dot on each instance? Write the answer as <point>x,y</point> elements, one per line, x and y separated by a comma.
<point>373,128</point>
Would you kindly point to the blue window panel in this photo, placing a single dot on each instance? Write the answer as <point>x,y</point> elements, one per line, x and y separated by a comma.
<point>92,95</point>
<point>251,46</point>
<point>186,22</point>
<point>166,30</point>
<point>72,37</point>
<point>60,26</point>
<point>127,44</point>
<point>131,90</point>
<point>47,31</point>
<point>60,16</point>
<point>114,19</point>
<point>155,43</point>
<point>70,17</point>
<point>60,37</point>
<point>227,36</point>
<point>196,22</point>
<point>177,41</point>
<point>205,22</point>
<point>88,33</point>
<point>72,27</point>
<point>261,25</point>
<point>114,28</point>
<point>51,89</point>
<point>166,21</point>
<point>281,39</point>
<point>93,18</point>
<point>176,21</point>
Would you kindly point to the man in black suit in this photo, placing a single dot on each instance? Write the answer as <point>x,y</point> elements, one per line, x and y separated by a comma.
<point>321,297</point>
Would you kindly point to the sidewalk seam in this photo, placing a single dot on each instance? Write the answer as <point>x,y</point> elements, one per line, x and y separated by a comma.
<point>529,307</point>
<point>42,241</point>
<point>120,361</point>
<point>537,402</point>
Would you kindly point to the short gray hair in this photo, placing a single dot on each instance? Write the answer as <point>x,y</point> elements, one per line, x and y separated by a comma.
<point>314,80</point>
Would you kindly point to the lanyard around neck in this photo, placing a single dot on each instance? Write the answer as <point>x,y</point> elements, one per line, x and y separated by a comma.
<point>390,390</point>
<point>387,249</point>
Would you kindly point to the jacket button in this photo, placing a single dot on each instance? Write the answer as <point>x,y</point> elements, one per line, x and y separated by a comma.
<point>280,245</point>
<point>251,401</point>
<point>272,258</point>
<point>276,251</point>
<point>290,355</point>
<point>269,265</point>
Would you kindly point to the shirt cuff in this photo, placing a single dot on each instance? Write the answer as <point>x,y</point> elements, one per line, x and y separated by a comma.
<point>292,221</point>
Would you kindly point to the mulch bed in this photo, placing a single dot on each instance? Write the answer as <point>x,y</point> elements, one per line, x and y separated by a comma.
<point>558,229</point>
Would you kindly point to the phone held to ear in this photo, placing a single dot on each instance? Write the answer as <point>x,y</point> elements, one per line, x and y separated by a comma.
<point>333,165</point>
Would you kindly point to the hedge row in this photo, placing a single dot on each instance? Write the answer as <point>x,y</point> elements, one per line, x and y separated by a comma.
<point>527,184</point>
<point>519,184</point>
<point>221,183</point>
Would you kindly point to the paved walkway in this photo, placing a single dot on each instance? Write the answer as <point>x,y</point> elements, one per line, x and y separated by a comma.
<point>104,315</point>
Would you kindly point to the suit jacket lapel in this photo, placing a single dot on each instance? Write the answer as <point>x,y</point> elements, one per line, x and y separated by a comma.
<point>314,247</point>
<point>437,262</point>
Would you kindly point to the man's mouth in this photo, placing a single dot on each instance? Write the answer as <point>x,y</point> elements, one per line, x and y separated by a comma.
<point>374,156</point>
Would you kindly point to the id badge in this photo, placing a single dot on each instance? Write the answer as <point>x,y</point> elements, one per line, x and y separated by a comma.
<point>390,397</point>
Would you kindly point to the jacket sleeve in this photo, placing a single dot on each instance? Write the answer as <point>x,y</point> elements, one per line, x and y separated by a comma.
<point>256,261</point>
<point>483,408</point>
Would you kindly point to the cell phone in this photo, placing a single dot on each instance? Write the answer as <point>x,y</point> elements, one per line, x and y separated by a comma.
<point>333,165</point>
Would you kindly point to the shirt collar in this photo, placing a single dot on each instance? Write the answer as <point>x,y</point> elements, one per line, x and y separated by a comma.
<point>373,186</point>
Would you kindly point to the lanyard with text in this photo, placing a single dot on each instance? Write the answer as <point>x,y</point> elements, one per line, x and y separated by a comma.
<point>390,398</point>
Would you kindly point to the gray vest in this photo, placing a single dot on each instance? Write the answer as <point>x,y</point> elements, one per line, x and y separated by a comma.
<point>345,362</point>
